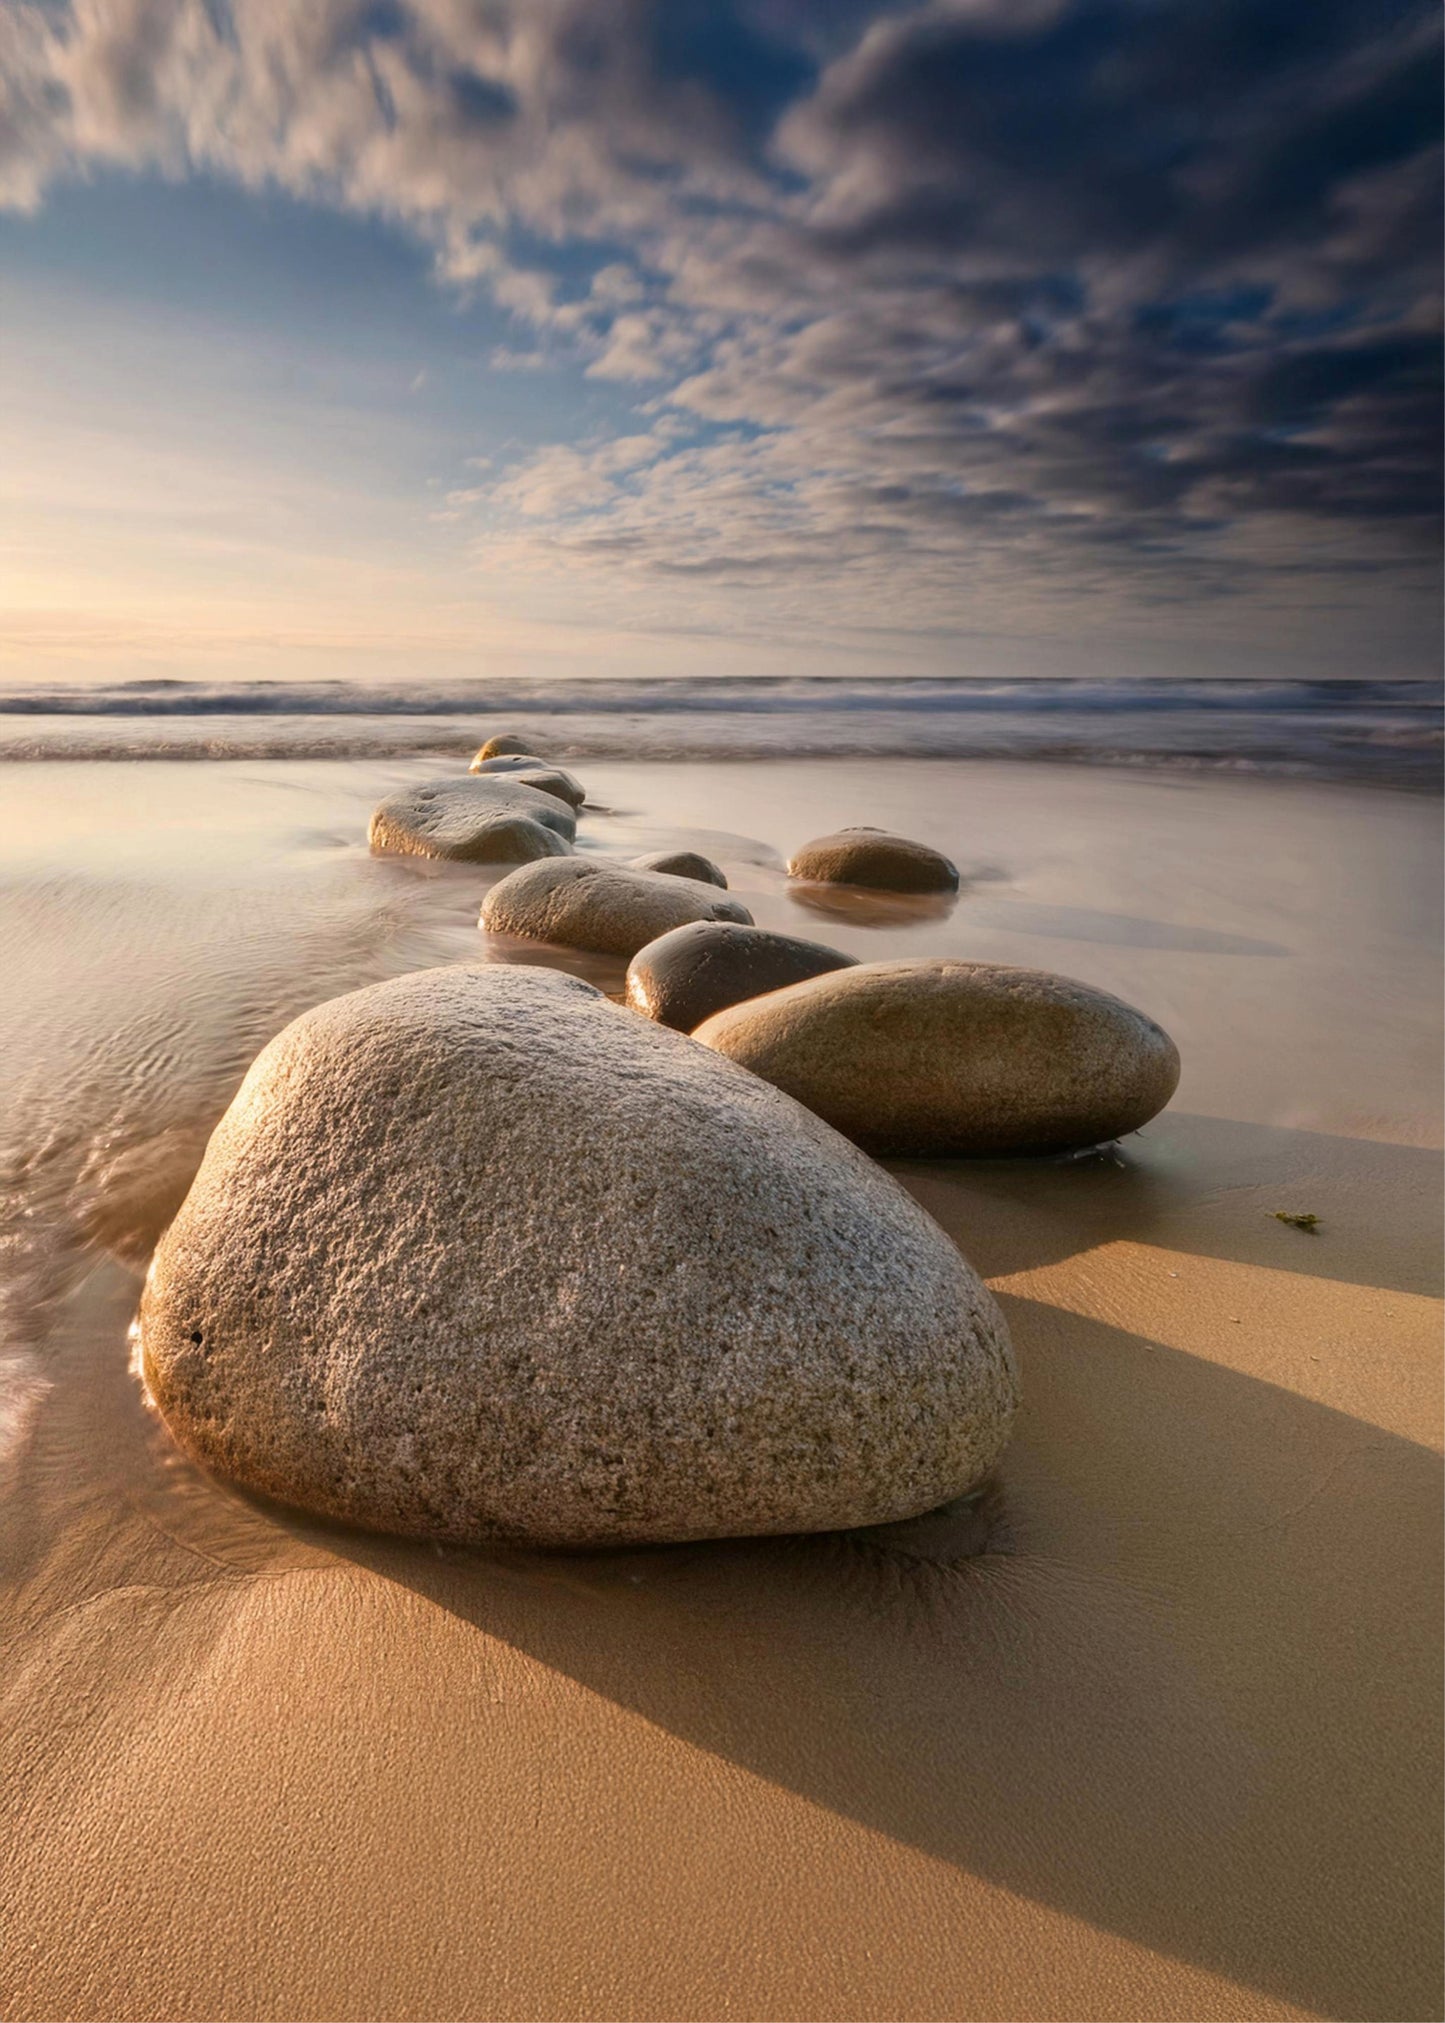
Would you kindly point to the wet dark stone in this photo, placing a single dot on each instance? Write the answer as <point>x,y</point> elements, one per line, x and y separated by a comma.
<point>684,977</point>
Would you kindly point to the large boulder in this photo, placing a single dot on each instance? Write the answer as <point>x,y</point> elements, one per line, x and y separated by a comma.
<point>590,903</point>
<point>479,821</point>
<point>682,864</point>
<point>475,1255</point>
<point>875,858</point>
<point>532,773</point>
<point>943,1057</point>
<point>684,977</point>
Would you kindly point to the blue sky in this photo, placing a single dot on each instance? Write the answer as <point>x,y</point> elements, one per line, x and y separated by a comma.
<point>368,337</point>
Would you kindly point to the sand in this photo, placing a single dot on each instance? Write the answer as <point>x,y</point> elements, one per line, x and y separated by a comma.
<point>1151,1730</point>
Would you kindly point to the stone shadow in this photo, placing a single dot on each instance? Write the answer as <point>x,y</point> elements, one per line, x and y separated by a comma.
<point>1206,1186</point>
<point>1188,1692</point>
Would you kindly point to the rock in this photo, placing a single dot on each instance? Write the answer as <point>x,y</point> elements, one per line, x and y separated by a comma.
<point>587,903</point>
<point>682,864</point>
<point>943,1057</point>
<point>876,858</point>
<point>533,773</point>
<point>475,1255</point>
<point>684,977</point>
<point>479,821</point>
<point>503,746</point>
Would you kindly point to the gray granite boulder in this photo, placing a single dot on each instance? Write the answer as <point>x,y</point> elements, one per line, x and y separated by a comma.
<point>588,902</point>
<point>504,745</point>
<point>476,1255</point>
<point>967,1058</point>
<point>874,857</point>
<point>684,977</point>
<point>682,864</point>
<point>532,773</point>
<point>479,821</point>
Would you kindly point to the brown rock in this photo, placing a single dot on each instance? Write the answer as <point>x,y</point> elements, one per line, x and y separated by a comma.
<point>943,1057</point>
<point>478,821</point>
<point>684,977</point>
<point>503,746</point>
<point>587,902</point>
<point>682,864</point>
<point>874,857</point>
<point>532,773</point>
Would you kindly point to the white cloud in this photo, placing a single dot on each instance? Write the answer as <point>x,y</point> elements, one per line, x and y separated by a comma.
<point>894,336</point>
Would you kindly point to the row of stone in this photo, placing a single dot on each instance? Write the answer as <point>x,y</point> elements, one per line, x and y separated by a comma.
<point>516,808</point>
<point>476,1254</point>
<point>909,1058</point>
<point>912,1057</point>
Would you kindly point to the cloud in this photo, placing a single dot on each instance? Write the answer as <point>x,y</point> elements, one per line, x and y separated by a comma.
<point>943,304</point>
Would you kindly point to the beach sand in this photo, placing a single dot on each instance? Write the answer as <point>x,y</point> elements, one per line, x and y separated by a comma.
<point>1150,1728</point>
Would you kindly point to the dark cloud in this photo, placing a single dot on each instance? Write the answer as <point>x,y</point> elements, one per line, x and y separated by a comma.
<point>1196,132</point>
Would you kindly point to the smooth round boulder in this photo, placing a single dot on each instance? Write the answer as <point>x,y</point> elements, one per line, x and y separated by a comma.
<point>682,864</point>
<point>587,902</point>
<point>533,773</point>
<point>684,977</point>
<point>504,745</point>
<point>943,1058</point>
<point>475,821</point>
<point>475,1255</point>
<point>873,857</point>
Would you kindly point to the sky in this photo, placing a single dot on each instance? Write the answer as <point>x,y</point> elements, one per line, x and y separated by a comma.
<point>443,338</point>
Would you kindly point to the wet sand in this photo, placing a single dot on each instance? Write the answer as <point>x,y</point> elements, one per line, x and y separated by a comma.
<point>1150,1728</point>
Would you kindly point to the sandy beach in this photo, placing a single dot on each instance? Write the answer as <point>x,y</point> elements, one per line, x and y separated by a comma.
<point>1150,1727</point>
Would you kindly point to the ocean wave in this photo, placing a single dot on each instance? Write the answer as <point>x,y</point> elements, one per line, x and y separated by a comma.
<point>711,695</point>
<point>1413,761</point>
<point>1382,731</point>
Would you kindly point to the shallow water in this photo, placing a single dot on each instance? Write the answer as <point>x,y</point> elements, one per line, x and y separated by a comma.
<point>162,920</point>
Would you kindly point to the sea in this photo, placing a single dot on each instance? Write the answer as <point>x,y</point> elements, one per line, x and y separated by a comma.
<point>1384,731</point>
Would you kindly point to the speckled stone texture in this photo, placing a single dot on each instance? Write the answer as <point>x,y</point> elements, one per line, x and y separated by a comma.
<point>476,1255</point>
<point>875,858</point>
<point>682,864</point>
<point>590,903</point>
<point>505,745</point>
<point>684,977</point>
<point>532,772</point>
<point>479,821</point>
<point>967,1058</point>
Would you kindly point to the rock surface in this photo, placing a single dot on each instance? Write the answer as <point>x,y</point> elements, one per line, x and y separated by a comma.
<point>479,821</point>
<point>532,772</point>
<point>874,857</point>
<point>684,977</point>
<point>504,745</point>
<point>968,1058</point>
<point>476,1255</point>
<point>682,864</point>
<point>589,903</point>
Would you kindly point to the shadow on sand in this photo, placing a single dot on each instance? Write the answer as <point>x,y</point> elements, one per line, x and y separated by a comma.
<point>1177,1675</point>
<point>1189,1688</point>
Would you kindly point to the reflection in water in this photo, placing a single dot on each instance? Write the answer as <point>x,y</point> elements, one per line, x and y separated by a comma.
<point>863,906</point>
<point>607,972</point>
<point>1121,930</point>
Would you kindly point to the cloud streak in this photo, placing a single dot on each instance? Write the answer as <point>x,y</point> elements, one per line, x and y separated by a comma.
<point>940,310</point>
